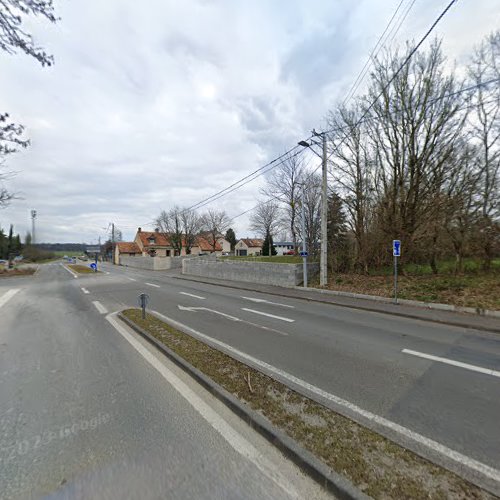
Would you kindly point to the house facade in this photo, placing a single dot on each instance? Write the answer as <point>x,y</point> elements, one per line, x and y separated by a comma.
<point>248,246</point>
<point>284,247</point>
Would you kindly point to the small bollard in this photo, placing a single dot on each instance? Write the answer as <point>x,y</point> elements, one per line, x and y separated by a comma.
<point>143,302</point>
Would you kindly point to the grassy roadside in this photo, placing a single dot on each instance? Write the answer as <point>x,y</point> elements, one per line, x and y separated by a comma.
<point>374,464</point>
<point>78,268</point>
<point>19,271</point>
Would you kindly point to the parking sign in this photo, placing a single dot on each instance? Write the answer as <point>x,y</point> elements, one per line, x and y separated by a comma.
<point>396,248</point>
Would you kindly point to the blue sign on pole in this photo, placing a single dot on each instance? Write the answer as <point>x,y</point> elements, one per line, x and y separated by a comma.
<point>304,254</point>
<point>93,266</point>
<point>396,248</point>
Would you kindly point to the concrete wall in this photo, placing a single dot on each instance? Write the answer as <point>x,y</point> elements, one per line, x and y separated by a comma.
<point>156,263</point>
<point>250,272</point>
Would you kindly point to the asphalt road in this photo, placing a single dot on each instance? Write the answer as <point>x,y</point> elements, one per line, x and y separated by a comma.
<point>378,362</point>
<point>91,411</point>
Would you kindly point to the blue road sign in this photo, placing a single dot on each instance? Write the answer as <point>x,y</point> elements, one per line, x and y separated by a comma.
<point>93,266</point>
<point>396,248</point>
<point>304,254</point>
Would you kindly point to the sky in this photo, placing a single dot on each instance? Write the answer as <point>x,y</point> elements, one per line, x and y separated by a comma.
<point>161,102</point>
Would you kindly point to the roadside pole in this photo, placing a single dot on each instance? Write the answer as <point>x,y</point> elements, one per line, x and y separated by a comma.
<point>323,274</point>
<point>304,237</point>
<point>396,252</point>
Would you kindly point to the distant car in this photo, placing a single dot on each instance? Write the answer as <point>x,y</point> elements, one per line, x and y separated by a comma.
<point>225,254</point>
<point>290,252</point>
<point>18,258</point>
<point>2,261</point>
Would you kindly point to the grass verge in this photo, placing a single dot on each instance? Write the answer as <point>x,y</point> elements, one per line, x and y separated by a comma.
<point>78,268</point>
<point>374,464</point>
<point>478,290</point>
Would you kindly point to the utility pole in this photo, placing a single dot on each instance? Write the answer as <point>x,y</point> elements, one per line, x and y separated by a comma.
<point>304,236</point>
<point>112,232</point>
<point>33,217</point>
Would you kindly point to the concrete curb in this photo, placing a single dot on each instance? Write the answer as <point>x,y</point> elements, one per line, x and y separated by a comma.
<point>322,474</point>
<point>461,322</point>
<point>415,303</point>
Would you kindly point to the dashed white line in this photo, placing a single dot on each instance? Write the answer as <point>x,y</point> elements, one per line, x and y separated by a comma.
<point>233,437</point>
<point>152,284</point>
<point>84,290</point>
<point>268,315</point>
<point>131,279</point>
<point>453,455</point>
<point>263,301</point>
<point>452,362</point>
<point>192,295</point>
<point>99,307</point>
<point>7,296</point>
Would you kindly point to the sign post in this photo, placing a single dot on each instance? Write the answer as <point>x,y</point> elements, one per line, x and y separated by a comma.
<point>143,302</point>
<point>396,252</point>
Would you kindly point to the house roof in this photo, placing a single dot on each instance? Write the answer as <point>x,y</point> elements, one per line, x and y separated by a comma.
<point>205,245</point>
<point>253,242</point>
<point>282,243</point>
<point>128,247</point>
<point>160,239</point>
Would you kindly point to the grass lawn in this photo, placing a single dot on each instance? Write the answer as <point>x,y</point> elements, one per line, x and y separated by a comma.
<point>379,467</point>
<point>473,288</point>
<point>78,268</point>
<point>275,259</point>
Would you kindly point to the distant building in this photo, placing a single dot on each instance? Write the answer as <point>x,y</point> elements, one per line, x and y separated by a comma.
<point>248,246</point>
<point>284,247</point>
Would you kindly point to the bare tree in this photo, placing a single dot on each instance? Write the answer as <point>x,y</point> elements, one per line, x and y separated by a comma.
<point>191,225</point>
<point>266,218</point>
<point>312,200</point>
<point>284,185</point>
<point>485,126</point>
<point>215,223</point>
<point>170,224</point>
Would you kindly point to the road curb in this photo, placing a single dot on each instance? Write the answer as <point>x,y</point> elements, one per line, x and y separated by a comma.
<point>461,322</point>
<point>322,474</point>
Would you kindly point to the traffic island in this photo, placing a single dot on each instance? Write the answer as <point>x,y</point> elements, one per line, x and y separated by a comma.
<point>345,457</point>
<point>80,269</point>
<point>21,271</point>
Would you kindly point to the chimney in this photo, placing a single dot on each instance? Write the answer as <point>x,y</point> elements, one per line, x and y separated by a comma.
<point>138,229</point>
<point>157,229</point>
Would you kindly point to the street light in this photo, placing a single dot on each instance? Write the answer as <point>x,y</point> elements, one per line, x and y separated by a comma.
<point>323,273</point>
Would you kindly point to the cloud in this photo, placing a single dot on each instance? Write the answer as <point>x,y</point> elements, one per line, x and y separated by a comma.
<point>162,103</point>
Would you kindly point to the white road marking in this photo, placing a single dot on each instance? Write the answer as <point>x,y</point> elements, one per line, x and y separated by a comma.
<point>152,284</point>
<point>452,362</point>
<point>253,299</point>
<point>234,438</point>
<point>7,296</point>
<point>453,455</point>
<point>69,271</point>
<point>192,295</point>
<point>131,279</point>
<point>99,307</point>
<point>228,316</point>
<point>84,290</point>
<point>269,315</point>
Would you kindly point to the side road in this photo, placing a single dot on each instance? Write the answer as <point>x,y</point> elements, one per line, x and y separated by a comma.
<point>409,309</point>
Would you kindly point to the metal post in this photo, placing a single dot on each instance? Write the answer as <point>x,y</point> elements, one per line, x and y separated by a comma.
<point>323,275</point>
<point>33,217</point>
<point>395,280</point>
<point>304,236</point>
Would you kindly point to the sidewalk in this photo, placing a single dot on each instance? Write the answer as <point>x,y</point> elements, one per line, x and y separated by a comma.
<point>414,310</point>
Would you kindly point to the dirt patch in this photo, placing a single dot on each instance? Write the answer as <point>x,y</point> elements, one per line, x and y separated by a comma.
<point>374,464</point>
<point>22,271</point>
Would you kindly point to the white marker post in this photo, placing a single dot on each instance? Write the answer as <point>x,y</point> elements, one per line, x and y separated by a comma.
<point>396,252</point>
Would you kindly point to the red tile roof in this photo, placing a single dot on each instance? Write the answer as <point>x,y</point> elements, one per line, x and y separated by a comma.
<point>255,242</point>
<point>205,245</point>
<point>126,247</point>
<point>160,239</point>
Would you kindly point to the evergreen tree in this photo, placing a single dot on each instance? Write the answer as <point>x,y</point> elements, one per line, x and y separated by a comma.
<point>231,237</point>
<point>268,243</point>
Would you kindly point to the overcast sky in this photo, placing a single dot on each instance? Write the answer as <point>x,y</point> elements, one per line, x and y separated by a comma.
<point>164,102</point>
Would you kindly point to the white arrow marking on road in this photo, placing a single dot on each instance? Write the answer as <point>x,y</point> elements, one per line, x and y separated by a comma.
<point>192,295</point>
<point>7,296</point>
<point>452,362</point>
<point>99,307</point>
<point>84,290</point>
<point>253,299</point>
<point>152,284</point>
<point>269,315</point>
<point>131,279</point>
<point>232,318</point>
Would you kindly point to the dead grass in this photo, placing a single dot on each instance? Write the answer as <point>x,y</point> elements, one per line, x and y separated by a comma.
<point>374,464</point>
<point>474,290</point>
<point>78,268</point>
<point>22,271</point>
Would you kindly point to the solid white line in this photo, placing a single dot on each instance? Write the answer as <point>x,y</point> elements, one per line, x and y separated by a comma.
<point>7,296</point>
<point>99,307</point>
<point>84,290</point>
<point>228,316</point>
<point>452,362</point>
<point>131,279</point>
<point>262,301</point>
<point>70,271</point>
<point>457,457</point>
<point>192,295</point>
<point>269,315</point>
<point>234,438</point>
<point>152,284</point>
